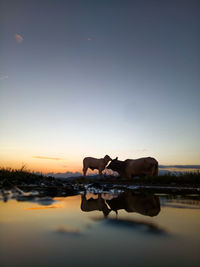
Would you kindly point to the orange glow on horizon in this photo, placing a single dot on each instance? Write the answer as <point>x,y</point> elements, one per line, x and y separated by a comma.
<point>42,164</point>
<point>59,163</point>
<point>45,165</point>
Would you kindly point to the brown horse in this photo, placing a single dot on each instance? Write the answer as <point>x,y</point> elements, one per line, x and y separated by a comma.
<point>93,163</point>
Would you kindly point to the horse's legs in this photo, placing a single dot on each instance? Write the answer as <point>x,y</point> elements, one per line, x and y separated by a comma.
<point>84,171</point>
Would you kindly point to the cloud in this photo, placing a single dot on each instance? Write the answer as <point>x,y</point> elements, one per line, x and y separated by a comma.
<point>40,157</point>
<point>19,38</point>
<point>45,207</point>
<point>4,77</point>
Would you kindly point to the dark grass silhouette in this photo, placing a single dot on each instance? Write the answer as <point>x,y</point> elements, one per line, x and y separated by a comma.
<point>22,176</point>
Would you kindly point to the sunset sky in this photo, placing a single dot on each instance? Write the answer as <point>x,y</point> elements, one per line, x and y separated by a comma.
<point>89,78</point>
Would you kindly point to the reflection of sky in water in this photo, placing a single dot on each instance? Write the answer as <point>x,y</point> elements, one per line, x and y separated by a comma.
<point>60,234</point>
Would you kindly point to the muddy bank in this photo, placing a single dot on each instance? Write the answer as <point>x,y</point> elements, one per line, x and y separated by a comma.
<point>16,180</point>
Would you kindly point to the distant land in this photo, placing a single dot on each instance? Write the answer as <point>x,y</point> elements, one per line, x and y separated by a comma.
<point>163,169</point>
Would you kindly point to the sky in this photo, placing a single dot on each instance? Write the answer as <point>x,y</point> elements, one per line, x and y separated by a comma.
<point>90,78</point>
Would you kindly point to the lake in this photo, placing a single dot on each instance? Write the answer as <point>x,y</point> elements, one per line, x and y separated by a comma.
<point>122,228</point>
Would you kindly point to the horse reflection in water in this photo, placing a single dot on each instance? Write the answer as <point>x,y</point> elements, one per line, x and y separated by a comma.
<point>148,205</point>
<point>94,204</point>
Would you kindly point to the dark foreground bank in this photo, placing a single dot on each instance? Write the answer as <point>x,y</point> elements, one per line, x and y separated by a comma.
<point>20,179</point>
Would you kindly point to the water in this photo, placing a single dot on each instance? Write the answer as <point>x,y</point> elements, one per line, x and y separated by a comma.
<point>119,229</point>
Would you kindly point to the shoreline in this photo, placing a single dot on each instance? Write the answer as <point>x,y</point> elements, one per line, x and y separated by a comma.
<point>188,183</point>
<point>96,188</point>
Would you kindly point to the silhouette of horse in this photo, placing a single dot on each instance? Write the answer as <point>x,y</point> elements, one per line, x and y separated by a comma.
<point>134,167</point>
<point>93,163</point>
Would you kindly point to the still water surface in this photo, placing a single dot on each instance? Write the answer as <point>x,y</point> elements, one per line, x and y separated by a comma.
<point>101,230</point>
